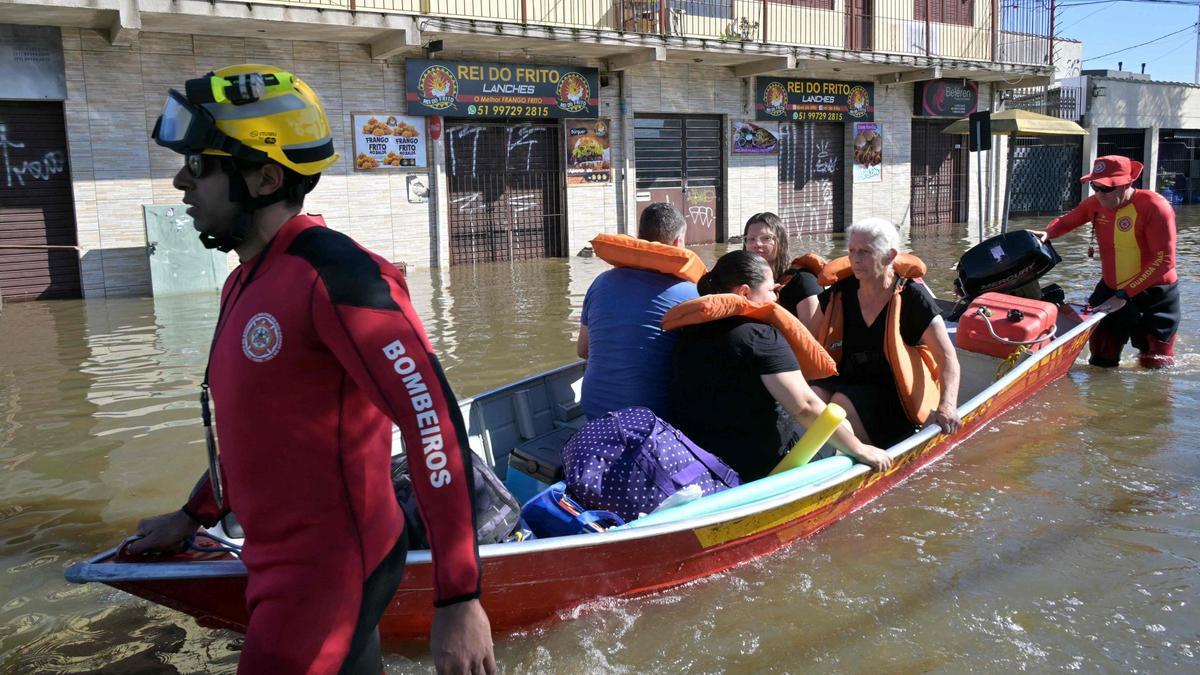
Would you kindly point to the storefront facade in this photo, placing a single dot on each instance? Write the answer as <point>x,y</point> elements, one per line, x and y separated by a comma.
<point>459,157</point>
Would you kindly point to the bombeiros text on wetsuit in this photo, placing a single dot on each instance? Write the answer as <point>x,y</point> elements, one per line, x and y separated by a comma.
<point>427,418</point>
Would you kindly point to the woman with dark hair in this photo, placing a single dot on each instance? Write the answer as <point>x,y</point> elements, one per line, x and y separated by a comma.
<point>766,236</point>
<point>729,375</point>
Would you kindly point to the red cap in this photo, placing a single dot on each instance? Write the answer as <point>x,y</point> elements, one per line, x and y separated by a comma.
<point>1113,170</point>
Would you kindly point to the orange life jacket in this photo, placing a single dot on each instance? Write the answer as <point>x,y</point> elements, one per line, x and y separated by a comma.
<point>809,262</point>
<point>622,250</point>
<point>913,368</point>
<point>815,362</point>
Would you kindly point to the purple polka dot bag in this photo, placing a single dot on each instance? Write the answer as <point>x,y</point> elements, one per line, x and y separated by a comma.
<point>629,461</point>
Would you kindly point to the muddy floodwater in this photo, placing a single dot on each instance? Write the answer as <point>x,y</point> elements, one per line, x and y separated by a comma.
<point>1065,536</point>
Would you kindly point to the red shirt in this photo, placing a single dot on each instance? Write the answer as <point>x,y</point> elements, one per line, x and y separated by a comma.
<point>1137,240</point>
<point>314,357</point>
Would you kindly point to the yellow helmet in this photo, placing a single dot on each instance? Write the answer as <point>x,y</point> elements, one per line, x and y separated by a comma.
<point>254,112</point>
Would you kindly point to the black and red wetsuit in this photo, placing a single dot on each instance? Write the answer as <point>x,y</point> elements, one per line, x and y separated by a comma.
<point>317,352</point>
<point>1137,259</point>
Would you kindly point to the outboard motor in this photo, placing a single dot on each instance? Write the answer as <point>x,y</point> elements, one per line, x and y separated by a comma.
<point>1008,263</point>
<point>1004,262</point>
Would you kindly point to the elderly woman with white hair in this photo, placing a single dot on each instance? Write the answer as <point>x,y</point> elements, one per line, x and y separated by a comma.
<point>885,385</point>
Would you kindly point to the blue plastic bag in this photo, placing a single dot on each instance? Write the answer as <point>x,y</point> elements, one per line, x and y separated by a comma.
<point>553,513</point>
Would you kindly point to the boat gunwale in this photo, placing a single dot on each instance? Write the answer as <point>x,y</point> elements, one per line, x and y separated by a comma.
<point>96,570</point>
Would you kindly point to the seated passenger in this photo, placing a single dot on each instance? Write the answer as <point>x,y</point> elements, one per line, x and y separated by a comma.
<point>766,236</point>
<point>628,353</point>
<point>729,374</point>
<point>857,313</point>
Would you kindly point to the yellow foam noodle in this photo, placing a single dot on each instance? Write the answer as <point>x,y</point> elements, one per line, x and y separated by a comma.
<point>812,440</point>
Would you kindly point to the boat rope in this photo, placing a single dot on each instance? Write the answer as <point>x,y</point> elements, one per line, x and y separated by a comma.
<point>1009,363</point>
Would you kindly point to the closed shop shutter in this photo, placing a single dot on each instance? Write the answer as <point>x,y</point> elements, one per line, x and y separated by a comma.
<point>36,204</point>
<point>812,177</point>
<point>678,160</point>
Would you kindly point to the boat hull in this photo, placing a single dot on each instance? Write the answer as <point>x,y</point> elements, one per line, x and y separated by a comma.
<point>534,583</point>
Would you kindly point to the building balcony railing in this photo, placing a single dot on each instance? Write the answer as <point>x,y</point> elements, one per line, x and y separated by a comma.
<point>1067,103</point>
<point>999,31</point>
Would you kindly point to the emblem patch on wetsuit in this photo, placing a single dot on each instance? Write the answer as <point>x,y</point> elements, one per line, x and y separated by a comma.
<point>1125,223</point>
<point>262,338</point>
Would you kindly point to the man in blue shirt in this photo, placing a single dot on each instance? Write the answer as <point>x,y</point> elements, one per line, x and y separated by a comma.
<point>628,353</point>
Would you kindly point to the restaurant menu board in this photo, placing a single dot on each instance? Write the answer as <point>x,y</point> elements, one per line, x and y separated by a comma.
<point>782,99</point>
<point>589,161</point>
<point>751,139</point>
<point>383,141</point>
<point>868,152</point>
<point>525,90</point>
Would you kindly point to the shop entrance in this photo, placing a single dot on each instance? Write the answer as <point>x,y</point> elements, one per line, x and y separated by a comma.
<point>37,206</point>
<point>1128,142</point>
<point>812,176</point>
<point>939,175</point>
<point>505,191</point>
<point>678,160</point>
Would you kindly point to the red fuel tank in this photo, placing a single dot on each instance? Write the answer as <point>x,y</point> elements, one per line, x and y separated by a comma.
<point>1012,319</point>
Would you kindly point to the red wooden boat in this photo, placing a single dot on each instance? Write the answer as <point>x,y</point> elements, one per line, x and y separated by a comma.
<point>534,582</point>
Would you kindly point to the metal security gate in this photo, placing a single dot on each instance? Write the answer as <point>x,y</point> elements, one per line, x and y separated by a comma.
<point>1179,165</point>
<point>1127,142</point>
<point>37,208</point>
<point>939,175</point>
<point>812,177</point>
<point>678,160</point>
<point>1045,175</point>
<point>505,191</point>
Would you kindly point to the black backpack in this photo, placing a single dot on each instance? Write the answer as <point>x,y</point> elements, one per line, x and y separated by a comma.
<point>497,512</point>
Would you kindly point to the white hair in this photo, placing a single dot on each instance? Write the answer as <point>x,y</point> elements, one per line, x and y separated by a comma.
<point>882,236</point>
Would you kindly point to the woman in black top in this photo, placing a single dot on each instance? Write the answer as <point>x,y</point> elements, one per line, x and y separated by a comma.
<point>729,374</point>
<point>865,385</point>
<point>766,236</point>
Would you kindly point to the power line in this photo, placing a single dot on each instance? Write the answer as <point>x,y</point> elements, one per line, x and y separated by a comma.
<point>1169,51</point>
<point>1187,28</point>
<point>1107,5</point>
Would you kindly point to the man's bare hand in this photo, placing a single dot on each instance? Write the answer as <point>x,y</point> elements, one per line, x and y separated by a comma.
<point>162,534</point>
<point>1040,234</point>
<point>462,640</point>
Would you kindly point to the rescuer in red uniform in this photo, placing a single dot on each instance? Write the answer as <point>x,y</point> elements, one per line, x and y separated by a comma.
<point>316,352</point>
<point>1135,231</point>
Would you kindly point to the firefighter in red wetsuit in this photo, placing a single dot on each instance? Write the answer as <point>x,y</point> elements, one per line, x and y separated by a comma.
<point>316,352</point>
<point>1135,231</point>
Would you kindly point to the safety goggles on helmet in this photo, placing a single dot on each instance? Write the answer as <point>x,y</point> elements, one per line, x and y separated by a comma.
<point>188,128</point>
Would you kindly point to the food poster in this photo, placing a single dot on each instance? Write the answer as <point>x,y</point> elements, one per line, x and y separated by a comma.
<point>868,152</point>
<point>383,141</point>
<point>751,139</point>
<point>589,160</point>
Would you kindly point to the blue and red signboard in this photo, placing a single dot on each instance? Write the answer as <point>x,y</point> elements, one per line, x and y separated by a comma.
<point>523,90</point>
<point>791,100</point>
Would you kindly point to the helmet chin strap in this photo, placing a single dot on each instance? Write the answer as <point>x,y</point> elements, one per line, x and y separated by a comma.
<point>239,193</point>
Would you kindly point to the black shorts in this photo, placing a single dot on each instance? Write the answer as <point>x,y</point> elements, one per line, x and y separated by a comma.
<point>1155,312</point>
<point>878,406</point>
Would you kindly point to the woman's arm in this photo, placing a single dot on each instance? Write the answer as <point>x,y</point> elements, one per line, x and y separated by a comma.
<point>938,340</point>
<point>794,394</point>
<point>808,311</point>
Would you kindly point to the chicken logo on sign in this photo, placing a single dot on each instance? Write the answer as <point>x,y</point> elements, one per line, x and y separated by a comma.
<point>439,89</point>
<point>573,92</point>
